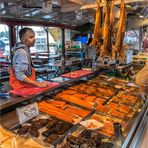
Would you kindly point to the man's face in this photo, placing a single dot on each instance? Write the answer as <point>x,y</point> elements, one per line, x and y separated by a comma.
<point>29,38</point>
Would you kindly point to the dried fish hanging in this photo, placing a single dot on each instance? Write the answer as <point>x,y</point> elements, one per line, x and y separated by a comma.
<point>108,49</point>
<point>108,30</point>
<point>119,48</point>
<point>122,51</point>
<point>111,28</point>
<point>97,28</point>
<point>104,51</point>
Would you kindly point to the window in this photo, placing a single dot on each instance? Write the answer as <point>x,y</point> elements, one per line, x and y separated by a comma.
<point>131,39</point>
<point>4,41</point>
<point>41,39</point>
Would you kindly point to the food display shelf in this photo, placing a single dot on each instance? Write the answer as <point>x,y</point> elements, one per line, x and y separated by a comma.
<point>107,100</point>
<point>11,100</point>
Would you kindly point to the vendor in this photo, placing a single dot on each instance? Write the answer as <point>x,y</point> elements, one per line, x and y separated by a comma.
<point>22,72</point>
<point>88,49</point>
<point>141,79</point>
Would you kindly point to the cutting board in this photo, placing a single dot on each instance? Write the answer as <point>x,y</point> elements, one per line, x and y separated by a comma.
<point>76,74</point>
<point>32,90</point>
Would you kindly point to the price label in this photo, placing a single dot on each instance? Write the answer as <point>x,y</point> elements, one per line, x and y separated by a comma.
<point>27,112</point>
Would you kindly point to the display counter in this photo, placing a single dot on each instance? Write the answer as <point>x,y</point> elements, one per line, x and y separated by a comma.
<point>114,103</point>
<point>9,99</point>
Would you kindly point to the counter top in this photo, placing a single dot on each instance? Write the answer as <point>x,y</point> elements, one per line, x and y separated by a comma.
<point>10,99</point>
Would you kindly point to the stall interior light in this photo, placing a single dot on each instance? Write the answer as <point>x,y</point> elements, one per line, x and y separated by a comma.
<point>56,2</point>
<point>128,6</point>
<point>78,15</point>
<point>3,12</point>
<point>141,16</point>
<point>47,6</point>
<point>102,1</point>
<point>47,16</point>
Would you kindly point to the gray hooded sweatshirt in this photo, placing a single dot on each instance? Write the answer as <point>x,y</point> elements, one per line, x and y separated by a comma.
<point>21,61</point>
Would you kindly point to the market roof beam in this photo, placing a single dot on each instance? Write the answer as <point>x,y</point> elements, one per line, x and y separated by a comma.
<point>11,22</point>
<point>94,5</point>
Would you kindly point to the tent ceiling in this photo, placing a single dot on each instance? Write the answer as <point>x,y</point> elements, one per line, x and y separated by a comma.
<point>69,12</point>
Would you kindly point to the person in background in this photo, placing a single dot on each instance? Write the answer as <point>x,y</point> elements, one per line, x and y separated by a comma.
<point>2,48</point>
<point>90,52</point>
<point>88,49</point>
<point>1,53</point>
<point>83,52</point>
<point>22,72</point>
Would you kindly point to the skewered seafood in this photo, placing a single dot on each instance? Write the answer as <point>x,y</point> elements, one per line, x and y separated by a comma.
<point>33,131</point>
<point>118,114</point>
<point>23,130</point>
<point>86,139</point>
<point>77,111</point>
<point>56,112</point>
<point>123,108</point>
<point>39,123</point>
<point>51,138</point>
<point>74,142</point>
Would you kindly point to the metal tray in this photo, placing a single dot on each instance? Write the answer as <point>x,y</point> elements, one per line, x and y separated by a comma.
<point>77,133</point>
<point>41,138</point>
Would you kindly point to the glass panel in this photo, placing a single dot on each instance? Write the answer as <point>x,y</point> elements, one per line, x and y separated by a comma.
<point>41,39</point>
<point>4,41</point>
<point>55,41</point>
<point>132,41</point>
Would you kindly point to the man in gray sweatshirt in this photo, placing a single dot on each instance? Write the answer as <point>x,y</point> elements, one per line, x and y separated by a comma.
<point>22,66</point>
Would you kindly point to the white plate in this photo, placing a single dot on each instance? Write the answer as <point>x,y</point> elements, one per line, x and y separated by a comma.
<point>131,84</point>
<point>87,69</point>
<point>92,124</point>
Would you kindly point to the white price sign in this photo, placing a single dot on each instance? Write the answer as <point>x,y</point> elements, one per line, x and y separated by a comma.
<point>27,112</point>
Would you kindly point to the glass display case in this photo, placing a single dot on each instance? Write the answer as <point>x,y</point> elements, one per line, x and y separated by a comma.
<point>110,101</point>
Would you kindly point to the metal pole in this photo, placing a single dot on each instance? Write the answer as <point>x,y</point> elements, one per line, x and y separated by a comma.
<point>63,44</point>
<point>12,36</point>
<point>48,49</point>
<point>12,39</point>
<point>140,39</point>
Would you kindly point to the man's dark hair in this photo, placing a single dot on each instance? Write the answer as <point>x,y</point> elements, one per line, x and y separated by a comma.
<point>23,31</point>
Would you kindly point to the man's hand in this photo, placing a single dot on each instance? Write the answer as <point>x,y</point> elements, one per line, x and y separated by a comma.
<point>36,83</point>
<point>42,84</point>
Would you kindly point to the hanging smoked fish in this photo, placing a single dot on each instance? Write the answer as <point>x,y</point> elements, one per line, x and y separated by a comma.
<point>120,33</point>
<point>104,50</point>
<point>122,46</point>
<point>97,28</point>
<point>111,28</point>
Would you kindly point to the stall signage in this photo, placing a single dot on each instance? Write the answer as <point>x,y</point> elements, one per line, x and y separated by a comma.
<point>27,112</point>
